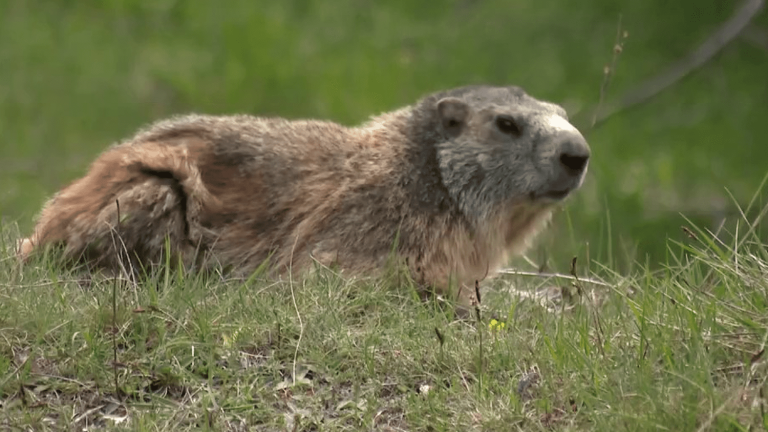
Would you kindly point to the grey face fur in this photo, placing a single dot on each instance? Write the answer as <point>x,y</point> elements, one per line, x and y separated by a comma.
<point>503,146</point>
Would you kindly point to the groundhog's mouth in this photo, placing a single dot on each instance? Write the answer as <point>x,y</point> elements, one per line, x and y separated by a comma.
<point>552,195</point>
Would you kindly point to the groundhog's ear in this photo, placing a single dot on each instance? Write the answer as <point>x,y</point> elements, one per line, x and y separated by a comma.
<point>453,114</point>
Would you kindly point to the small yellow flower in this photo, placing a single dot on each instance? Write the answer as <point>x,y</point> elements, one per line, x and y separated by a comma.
<point>495,325</point>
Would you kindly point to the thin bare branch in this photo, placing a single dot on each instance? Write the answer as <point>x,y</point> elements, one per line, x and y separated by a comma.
<point>718,40</point>
<point>610,70</point>
<point>756,36</point>
<point>554,275</point>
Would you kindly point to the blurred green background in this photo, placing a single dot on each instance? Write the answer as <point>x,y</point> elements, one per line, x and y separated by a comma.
<point>78,76</point>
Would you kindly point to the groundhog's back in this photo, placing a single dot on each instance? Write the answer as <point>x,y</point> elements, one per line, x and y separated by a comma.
<point>288,188</point>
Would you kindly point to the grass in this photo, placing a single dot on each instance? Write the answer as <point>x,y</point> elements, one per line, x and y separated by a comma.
<point>679,348</point>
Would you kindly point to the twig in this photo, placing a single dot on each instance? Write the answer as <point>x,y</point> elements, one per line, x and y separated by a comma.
<point>576,280</point>
<point>79,418</point>
<point>756,36</point>
<point>44,284</point>
<point>130,272</point>
<point>114,337</point>
<point>441,339</point>
<point>295,306</point>
<point>463,378</point>
<point>683,67</point>
<point>15,371</point>
<point>618,46</point>
<point>480,330</point>
<point>553,275</point>
<point>59,377</point>
<point>114,315</point>
<point>732,398</point>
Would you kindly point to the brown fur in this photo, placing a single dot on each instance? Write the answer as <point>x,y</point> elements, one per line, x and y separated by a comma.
<point>459,195</point>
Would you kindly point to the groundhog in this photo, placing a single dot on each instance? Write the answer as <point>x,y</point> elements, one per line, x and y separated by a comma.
<point>452,186</point>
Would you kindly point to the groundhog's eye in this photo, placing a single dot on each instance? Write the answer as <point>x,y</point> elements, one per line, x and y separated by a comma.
<point>507,125</point>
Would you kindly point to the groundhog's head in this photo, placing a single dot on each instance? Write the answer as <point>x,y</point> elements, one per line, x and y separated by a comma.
<point>499,146</point>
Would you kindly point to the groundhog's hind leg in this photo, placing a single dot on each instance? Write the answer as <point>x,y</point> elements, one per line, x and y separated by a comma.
<point>138,224</point>
<point>122,209</point>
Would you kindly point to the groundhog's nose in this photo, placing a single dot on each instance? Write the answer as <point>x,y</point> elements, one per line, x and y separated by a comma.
<point>573,153</point>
